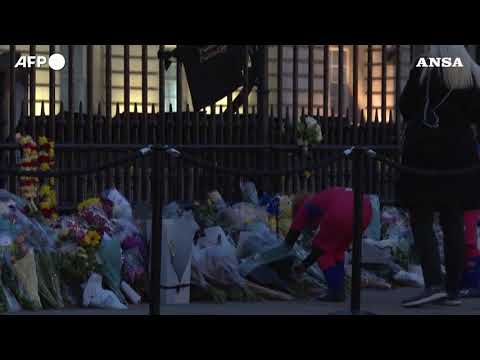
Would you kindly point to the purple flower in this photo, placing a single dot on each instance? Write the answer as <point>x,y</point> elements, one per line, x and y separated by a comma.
<point>132,241</point>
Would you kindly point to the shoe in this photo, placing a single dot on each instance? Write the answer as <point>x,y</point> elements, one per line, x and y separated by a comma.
<point>470,293</point>
<point>453,300</point>
<point>430,295</point>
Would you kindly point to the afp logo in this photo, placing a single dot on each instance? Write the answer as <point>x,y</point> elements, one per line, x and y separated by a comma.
<point>55,61</point>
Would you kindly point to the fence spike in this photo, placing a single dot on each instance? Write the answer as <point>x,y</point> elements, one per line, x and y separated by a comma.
<point>170,107</point>
<point>135,109</point>
<point>153,108</point>
<point>23,111</point>
<point>188,107</point>
<point>376,116</point>
<point>99,109</point>
<point>42,108</point>
<point>117,110</point>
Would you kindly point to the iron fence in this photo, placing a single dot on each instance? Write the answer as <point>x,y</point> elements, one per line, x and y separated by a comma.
<point>270,117</point>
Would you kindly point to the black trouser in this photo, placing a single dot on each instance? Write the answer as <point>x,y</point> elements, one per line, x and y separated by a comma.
<point>451,221</point>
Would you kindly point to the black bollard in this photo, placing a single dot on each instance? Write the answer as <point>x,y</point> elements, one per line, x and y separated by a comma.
<point>157,228</point>
<point>357,184</point>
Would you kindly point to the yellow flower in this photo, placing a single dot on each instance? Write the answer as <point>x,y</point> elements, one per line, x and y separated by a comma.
<point>45,190</point>
<point>87,203</point>
<point>91,238</point>
<point>45,205</point>
<point>42,140</point>
<point>44,167</point>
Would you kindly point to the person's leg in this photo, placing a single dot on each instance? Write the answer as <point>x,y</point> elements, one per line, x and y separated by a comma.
<point>421,220</point>
<point>451,220</point>
<point>329,239</point>
<point>426,246</point>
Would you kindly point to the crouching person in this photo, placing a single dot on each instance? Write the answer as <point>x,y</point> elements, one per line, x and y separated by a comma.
<point>331,211</point>
<point>471,275</point>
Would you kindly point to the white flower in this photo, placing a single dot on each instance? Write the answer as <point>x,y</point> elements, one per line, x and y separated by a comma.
<point>310,121</point>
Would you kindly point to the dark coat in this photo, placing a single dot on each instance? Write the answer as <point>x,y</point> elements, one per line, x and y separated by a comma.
<point>450,146</point>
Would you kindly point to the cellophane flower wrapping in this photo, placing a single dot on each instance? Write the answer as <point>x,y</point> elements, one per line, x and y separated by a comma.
<point>121,208</point>
<point>133,254</point>
<point>110,255</point>
<point>19,271</point>
<point>132,243</point>
<point>20,276</point>
<point>48,280</point>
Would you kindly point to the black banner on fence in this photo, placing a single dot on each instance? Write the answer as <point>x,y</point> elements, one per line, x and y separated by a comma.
<point>213,71</point>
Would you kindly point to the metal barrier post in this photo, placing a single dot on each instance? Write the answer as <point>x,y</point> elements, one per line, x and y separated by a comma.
<point>157,228</point>
<point>357,183</point>
<point>358,188</point>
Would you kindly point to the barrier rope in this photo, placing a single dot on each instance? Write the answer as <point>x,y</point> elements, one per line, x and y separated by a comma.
<point>78,172</point>
<point>238,172</point>
<point>423,172</point>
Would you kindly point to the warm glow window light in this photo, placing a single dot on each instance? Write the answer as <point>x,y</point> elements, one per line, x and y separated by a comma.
<point>42,79</point>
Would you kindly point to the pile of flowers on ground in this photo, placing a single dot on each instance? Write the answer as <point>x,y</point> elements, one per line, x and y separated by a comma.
<point>89,258</point>
<point>94,257</point>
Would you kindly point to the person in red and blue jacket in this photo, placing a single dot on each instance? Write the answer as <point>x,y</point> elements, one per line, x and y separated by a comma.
<point>331,211</point>
<point>471,275</point>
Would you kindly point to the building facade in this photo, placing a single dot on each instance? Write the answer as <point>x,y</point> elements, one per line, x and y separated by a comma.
<point>381,76</point>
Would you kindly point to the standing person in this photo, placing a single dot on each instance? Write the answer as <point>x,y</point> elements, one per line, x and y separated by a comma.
<point>439,105</point>
<point>331,211</point>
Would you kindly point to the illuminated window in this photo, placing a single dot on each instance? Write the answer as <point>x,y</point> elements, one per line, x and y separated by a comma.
<point>42,79</point>
<point>135,65</point>
<point>334,79</point>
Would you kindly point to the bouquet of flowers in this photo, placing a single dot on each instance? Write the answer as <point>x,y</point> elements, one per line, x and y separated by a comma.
<point>18,270</point>
<point>309,132</point>
<point>92,213</point>
<point>76,264</point>
<point>134,253</point>
<point>48,281</point>
<point>47,196</point>
<point>28,162</point>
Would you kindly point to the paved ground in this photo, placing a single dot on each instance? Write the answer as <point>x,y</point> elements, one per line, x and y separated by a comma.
<point>378,302</point>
